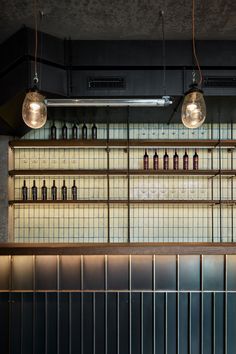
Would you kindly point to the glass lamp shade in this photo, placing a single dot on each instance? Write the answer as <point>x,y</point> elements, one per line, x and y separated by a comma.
<point>193,109</point>
<point>34,110</point>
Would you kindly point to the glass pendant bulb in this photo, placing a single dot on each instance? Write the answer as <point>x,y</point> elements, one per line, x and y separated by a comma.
<point>194,108</point>
<point>34,110</point>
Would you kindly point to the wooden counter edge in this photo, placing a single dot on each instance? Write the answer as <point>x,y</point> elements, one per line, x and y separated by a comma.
<point>117,248</point>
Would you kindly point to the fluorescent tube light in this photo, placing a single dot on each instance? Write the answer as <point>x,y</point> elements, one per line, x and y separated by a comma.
<point>164,101</point>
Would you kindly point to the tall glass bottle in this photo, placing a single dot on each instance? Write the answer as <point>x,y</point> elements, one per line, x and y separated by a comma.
<point>44,191</point>
<point>94,132</point>
<point>24,191</point>
<point>74,132</point>
<point>195,160</point>
<point>145,160</point>
<point>53,132</point>
<point>155,161</point>
<point>54,191</point>
<point>185,160</point>
<point>175,161</point>
<point>34,191</point>
<point>84,132</point>
<point>74,191</point>
<point>64,132</point>
<point>64,191</point>
<point>166,161</point>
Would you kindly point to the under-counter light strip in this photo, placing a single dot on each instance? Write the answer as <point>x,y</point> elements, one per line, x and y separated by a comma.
<point>164,101</point>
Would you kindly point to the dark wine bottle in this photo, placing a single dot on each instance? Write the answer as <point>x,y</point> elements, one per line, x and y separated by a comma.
<point>145,161</point>
<point>84,132</point>
<point>24,191</point>
<point>155,161</point>
<point>166,161</point>
<point>74,132</point>
<point>64,191</point>
<point>34,191</point>
<point>44,191</point>
<point>74,191</point>
<point>185,160</point>
<point>53,132</point>
<point>54,191</point>
<point>175,161</point>
<point>94,132</point>
<point>64,132</point>
<point>195,160</point>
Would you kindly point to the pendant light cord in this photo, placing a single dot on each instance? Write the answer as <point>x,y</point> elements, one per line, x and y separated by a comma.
<point>36,79</point>
<point>194,45</point>
<point>162,14</point>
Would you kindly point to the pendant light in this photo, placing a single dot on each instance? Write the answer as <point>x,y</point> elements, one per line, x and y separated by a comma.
<point>194,108</point>
<point>34,109</point>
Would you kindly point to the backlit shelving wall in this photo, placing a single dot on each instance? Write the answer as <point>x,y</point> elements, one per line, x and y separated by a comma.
<point>126,207</point>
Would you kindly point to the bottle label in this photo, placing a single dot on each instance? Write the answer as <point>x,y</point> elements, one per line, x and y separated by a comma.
<point>155,163</point>
<point>185,163</point>
<point>195,163</point>
<point>145,163</point>
<point>176,163</point>
<point>166,163</point>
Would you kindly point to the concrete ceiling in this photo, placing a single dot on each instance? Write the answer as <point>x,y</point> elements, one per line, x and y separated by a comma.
<point>121,19</point>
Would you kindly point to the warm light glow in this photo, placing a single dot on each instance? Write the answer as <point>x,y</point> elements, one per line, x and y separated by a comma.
<point>193,109</point>
<point>34,110</point>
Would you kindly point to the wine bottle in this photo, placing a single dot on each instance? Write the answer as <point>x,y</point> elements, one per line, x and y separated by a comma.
<point>74,191</point>
<point>94,132</point>
<point>64,191</point>
<point>185,160</point>
<point>53,132</point>
<point>166,161</point>
<point>175,161</point>
<point>34,191</point>
<point>44,191</point>
<point>64,132</point>
<point>54,191</point>
<point>155,161</point>
<point>24,191</point>
<point>84,132</point>
<point>195,160</point>
<point>145,161</point>
<point>74,132</point>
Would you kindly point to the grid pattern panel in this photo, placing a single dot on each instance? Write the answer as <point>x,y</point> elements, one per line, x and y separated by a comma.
<point>39,159</point>
<point>168,223</point>
<point>61,223</point>
<point>88,188</point>
<point>149,222</point>
<point>169,188</point>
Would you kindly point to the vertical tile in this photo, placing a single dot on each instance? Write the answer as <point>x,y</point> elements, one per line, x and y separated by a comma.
<point>165,273</point>
<point>5,272</point>
<point>189,272</point>
<point>141,272</point>
<point>22,272</point>
<point>46,272</point>
<point>70,273</point>
<point>94,270</point>
<point>118,272</point>
<point>231,272</point>
<point>213,272</point>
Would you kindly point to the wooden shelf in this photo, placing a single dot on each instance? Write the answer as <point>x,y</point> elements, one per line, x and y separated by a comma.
<point>119,143</point>
<point>69,172</point>
<point>126,201</point>
<point>157,248</point>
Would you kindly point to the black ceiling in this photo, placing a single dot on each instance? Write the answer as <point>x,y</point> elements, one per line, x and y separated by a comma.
<point>121,19</point>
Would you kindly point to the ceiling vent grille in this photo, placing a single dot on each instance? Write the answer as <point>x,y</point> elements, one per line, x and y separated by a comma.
<point>106,83</point>
<point>213,81</point>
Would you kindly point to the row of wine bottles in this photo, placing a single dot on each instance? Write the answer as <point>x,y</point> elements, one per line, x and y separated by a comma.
<point>74,132</point>
<point>166,161</point>
<point>44,191</point>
